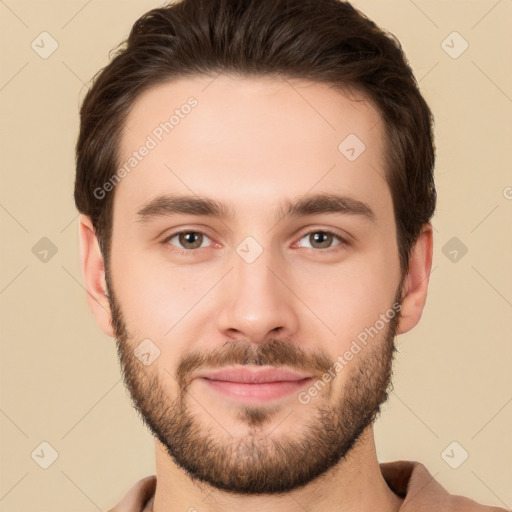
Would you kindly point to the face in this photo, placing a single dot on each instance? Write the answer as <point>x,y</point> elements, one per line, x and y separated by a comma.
<point>211,293</point>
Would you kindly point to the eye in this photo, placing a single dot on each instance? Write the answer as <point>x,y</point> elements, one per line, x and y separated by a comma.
<point>188,240</point>
<point>322,239</point>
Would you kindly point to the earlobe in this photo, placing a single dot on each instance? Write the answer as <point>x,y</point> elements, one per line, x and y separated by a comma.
<point>93,274</point>
<point>416,282</point>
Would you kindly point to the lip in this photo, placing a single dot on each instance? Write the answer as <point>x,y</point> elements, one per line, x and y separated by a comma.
<point>257,375</point>
<point>254,385</point>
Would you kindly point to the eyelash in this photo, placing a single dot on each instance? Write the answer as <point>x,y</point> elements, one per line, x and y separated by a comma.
<point>188,252</point>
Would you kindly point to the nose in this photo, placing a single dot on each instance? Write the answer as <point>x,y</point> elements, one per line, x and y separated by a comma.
<point>257,300</point>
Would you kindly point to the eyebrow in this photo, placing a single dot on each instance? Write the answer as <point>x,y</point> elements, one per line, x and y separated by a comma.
<point>168,204</point>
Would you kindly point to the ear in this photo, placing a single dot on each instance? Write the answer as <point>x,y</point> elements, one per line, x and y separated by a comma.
<point>93,274</point>
<point>416,282</point>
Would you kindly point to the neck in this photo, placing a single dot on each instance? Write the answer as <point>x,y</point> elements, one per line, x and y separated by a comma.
<point>354,485</point>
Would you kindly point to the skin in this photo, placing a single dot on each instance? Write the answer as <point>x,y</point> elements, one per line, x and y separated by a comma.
<point>251,143</point>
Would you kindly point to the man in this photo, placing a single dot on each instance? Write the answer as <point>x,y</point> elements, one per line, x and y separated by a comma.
<point>255,180</point>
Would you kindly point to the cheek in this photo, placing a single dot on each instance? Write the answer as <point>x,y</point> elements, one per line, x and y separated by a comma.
<point>159,301</point>
<point>350,297</point>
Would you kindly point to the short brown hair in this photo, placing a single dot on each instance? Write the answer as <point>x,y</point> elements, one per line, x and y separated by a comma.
<point>326,41</point>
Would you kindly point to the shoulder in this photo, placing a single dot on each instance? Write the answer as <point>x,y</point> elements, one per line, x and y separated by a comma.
<point>412,481</point>
<point>137,496</point>
<point>464,504</point>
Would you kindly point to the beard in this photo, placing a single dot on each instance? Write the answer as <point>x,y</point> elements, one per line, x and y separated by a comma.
<point>255,463</point>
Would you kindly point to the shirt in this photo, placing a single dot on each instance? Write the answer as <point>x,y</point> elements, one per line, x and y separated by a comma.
<point>410,480</point>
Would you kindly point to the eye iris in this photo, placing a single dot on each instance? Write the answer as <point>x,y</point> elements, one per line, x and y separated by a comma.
<point>321,237</point>
<point>187,238</point>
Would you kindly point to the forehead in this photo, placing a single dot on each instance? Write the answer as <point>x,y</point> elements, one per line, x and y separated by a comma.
<point>251,141</point>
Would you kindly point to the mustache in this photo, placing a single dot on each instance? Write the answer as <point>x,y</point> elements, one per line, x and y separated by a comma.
<point>273,353</point>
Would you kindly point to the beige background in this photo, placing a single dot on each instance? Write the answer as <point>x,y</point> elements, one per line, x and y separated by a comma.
<point>60,381</point>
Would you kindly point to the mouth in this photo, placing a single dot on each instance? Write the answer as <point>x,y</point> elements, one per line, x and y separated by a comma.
<point>255,384</point>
